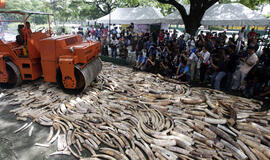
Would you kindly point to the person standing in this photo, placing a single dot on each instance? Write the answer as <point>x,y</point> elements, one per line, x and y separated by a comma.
<point>242,34</point>
<point>181,43</point>
<point>99,34</point>
<point>248,63</point>
<point>186,36</point>
<point>191,43</point>
<point>27,32</point>
<point>251,35</point>
<point>219,66</point>
<point>114,43</point>
<point>192,60</point>
<point>204,58</point>
<point>161,37</point>
<point>139,45</point>
<point>231,65</point>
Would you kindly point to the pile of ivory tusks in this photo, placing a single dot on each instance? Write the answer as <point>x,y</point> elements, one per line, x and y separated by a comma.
<point>141,116</point>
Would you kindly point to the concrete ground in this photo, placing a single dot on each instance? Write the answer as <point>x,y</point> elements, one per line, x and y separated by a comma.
<point>20,146</point>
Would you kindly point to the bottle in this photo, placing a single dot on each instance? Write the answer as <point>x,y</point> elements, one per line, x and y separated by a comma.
<point>25,53</point>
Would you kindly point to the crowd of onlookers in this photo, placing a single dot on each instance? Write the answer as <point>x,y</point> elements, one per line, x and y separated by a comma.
<point>211,58</point>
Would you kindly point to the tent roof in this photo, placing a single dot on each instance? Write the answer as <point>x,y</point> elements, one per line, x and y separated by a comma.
<point>138,15</point>
<point>233,14</point>
<point>175,17</point>
<point>224,14</point>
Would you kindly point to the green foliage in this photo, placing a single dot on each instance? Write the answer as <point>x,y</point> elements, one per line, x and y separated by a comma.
<point>252,4</point>
<point>33,5</point>
<point>81,10</point>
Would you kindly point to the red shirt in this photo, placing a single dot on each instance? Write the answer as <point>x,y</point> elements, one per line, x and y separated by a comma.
<point>26,33</point>
<point>105,32</point>
<point>251,34</point>
<point>161,36</point>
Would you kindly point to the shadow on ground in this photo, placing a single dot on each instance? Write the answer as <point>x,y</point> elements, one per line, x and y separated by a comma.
<point>20,146</point>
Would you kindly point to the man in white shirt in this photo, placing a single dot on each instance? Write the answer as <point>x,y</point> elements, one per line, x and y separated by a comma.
<point>248,64</point>
<point>242,34</point>
<point>186,36</point>
<point>191,43</point>
<point>114,45</point>
<point>204,58</point>
<point>192,59</point>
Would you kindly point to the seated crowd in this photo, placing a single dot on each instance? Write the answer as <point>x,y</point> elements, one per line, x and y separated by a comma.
<point>212,59</point>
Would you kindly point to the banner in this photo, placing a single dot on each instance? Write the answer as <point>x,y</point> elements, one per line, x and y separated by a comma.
<point>141,28</point>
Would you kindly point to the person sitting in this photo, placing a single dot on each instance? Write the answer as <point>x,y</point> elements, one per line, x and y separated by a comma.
<point>150,64</point>
<point>20,38</point>
<point>124,52</point>
<point>140,61</point>
<point>27,32</point>
<point>182,72</point>
<point>166,68</point>
<point>152,51</point>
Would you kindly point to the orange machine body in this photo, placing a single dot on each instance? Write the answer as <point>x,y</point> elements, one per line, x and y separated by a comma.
<point>48,54</point>
<point>65,52</point>
<point>30,67</point>
<point>67,60</point>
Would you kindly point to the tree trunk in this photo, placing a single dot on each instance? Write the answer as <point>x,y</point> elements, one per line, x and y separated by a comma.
<point>192,20</point>
<point>191,26</point>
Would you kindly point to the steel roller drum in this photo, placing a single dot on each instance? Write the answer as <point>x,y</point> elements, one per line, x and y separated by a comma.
<point>84,76</point>
<point>90,71</point>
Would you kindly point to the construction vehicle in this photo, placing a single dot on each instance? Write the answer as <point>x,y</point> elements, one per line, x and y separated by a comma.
<point>67,60</point>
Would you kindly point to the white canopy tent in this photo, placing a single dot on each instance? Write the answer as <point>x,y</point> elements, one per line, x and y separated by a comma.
<point>232,14</point>
<point>175,17</point>
<point>138,15</point>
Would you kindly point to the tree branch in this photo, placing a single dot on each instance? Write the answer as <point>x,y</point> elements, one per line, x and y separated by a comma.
<point>208,4</point>
<point>179,6</point>
<point>97,5</point>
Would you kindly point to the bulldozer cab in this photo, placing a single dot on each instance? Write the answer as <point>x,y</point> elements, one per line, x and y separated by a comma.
<point>15,23</point>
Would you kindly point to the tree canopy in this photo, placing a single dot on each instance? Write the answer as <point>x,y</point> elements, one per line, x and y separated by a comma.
<point>80,10</point>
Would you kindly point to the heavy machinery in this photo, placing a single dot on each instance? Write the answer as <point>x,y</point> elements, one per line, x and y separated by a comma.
<point>67,59</point>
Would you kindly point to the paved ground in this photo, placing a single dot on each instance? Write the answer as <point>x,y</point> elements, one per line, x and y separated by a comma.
<point>20,146</point>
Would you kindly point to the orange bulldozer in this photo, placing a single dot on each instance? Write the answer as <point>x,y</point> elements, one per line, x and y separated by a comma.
<point>67,59</point>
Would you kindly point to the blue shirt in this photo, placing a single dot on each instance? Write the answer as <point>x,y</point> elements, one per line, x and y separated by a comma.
<point>141,59</point>
<point>184,69</point>
<point>153,52</point>
<point>181,44</point>
<point>193,50</point>
<point>149,44</point>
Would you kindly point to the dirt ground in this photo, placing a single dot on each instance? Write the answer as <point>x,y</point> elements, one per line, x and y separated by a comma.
<point>20,146</point>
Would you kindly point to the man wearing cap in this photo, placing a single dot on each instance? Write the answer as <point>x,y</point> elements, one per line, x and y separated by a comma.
<point>27,31</point>
<point>251,35</point>
<point>248,63</point>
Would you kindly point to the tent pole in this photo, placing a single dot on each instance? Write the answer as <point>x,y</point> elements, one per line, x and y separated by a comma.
<point>109,28</point>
